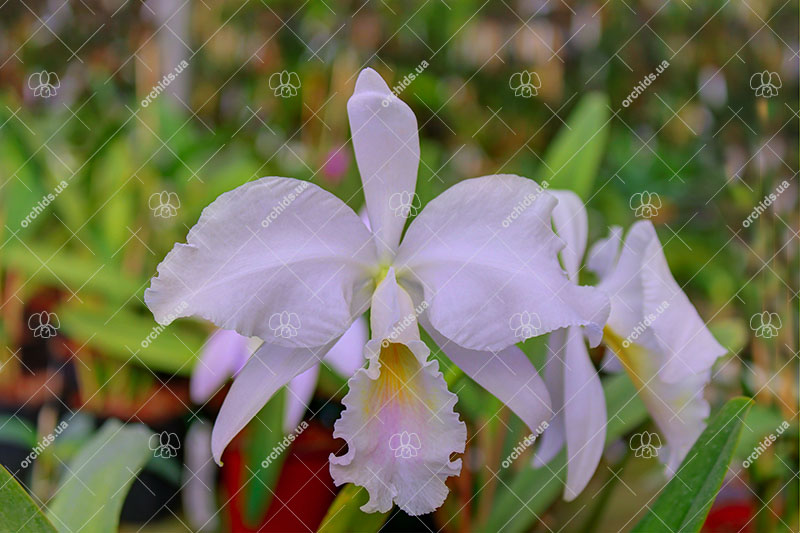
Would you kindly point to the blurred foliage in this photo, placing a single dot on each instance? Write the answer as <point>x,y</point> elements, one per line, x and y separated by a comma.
<point>698,137</point>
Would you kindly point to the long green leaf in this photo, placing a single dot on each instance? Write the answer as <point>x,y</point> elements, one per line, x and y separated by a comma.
<point>90,496</point>
<point>687,498</point>
<point>265,432</point>
<point>345,515</point>
<point>130,337</point>
<point>18,512</point>
<point>572,159</point>
<point>62,268</point>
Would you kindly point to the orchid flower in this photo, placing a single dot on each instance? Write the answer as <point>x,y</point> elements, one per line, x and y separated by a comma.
<point>657,335</point>
<point>226,352</point>
<point>286,261</point>
<point>573,383</point>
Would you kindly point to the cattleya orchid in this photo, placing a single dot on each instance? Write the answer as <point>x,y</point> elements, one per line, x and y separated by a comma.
<point>657,335</point>
<point>279,247</point>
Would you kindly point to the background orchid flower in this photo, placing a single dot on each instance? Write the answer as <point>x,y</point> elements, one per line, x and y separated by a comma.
<point>226,352</point>
<point>278,245</point>
<point>573,383</point>
<point>657,335</point>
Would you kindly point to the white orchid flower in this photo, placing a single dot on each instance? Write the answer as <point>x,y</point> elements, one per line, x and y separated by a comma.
<point>657,335</point>
<point>573,383</point>
<point>279,245</point>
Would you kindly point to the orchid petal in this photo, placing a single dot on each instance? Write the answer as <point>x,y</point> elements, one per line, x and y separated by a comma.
<point>485,257</point>
<point>508,375</point>
<point>386,144</point>
<point>223,356</point>
<point>299,392</point>
<point>571,223</point>
<point>277,258</point>
<point>648,304</point>
<point>554,436</point>
<point>198,491</point>
<point>347,355</point>
<point>269,369</point>
<point>602,256</point>
<point>399,422</point>
<point>584,415</point>
<point>678,409</point>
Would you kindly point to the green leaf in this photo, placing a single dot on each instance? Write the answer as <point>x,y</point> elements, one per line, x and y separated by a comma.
<point>121,334</point>
<point>18,512</point>
<point>115,193</point>
<point>687,498</point>
<point>266,442</point>
<point>63,269</point>
<point>520,502</point>
<point>345,515</point>
<point>572,159</point>
<point>90,496</point>
<point>14,430</point>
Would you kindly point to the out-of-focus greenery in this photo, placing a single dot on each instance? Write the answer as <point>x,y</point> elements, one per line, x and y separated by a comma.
<point>698,137</point>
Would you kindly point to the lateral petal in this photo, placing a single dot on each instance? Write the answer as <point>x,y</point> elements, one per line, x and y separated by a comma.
<point>269,369</point>
<point>485,258</point>
<point>277,258</point>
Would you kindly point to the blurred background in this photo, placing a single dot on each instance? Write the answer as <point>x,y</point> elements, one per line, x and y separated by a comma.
<point>120,121</point>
